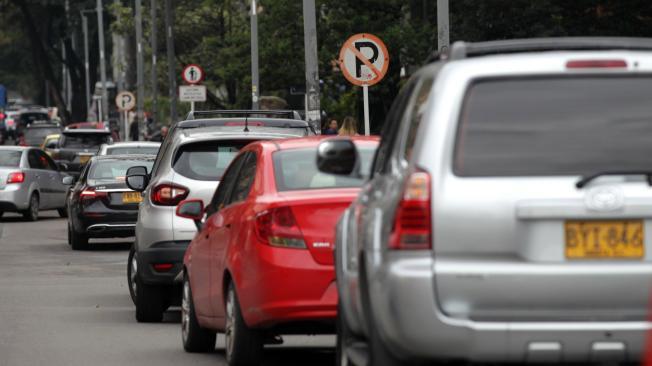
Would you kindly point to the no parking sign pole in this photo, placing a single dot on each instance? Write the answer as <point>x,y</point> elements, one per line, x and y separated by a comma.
<point>364,61</point>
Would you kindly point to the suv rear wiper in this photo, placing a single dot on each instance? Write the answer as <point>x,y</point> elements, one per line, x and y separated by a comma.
<point>587,178</point>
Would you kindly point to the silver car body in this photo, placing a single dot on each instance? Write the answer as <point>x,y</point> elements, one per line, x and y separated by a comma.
<point>47,183</point>
<point>159,224</point>
<point>496,286</point>
<point>105,149</point>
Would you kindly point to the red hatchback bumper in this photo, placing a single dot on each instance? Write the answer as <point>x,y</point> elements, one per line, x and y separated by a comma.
<point>280,285</point>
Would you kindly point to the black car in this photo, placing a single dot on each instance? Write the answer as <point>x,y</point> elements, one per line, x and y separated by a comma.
<point>77,146</point>
<point>35,133</point>
<point>100,205</point>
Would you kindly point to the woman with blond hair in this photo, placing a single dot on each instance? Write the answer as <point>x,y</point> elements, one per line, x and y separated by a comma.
<point>349,127</point>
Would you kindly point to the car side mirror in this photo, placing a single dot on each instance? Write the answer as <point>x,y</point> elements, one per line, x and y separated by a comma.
<point>137,170</point>
<point>68,180</point>
<point>137,182</point>
<point>63,166</point>
<point>338,156</point>
<point>192,209</point>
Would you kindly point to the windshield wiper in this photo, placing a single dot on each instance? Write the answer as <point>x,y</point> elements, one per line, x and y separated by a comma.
<point>588,178</point>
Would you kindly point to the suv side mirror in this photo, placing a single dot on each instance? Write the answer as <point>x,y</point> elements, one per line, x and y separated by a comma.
<point>137,170</point>
<point>338,156</point>
<point>192,209</point>
<point>137,182</point>
<point>68,180</point>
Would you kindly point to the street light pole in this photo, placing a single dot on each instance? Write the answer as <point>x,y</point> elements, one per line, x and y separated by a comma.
<point>86,63</point>
<point>140,79</point>
<point>255,82</point>
<point>153,71</point>
<point>100,32</point>
<point>443,29</point>
<point>172,80</point>
<point>313,109</point>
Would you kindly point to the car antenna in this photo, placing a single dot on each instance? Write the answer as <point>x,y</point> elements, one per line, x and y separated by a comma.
<point>246,129</point>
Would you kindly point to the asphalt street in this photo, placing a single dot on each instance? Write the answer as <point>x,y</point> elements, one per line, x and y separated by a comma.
<point>60,307</point>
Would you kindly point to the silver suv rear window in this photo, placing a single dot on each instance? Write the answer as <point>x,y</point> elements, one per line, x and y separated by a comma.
<point>555,126</point>
<point>207,160</point>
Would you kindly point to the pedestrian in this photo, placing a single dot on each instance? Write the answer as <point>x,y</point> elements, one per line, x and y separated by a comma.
<point>133,130</point>
<point>331,129</point>
<point>160,136</point>
<point>349,127</point>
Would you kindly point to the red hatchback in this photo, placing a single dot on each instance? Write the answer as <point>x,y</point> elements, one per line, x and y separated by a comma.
<point>261,264</point>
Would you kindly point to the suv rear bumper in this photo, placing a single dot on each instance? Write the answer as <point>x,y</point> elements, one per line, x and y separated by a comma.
<point>409,321</point>
<point>161,252</point>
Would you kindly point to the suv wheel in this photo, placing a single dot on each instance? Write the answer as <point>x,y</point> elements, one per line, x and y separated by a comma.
<point>343,340</point>
<point>31,214</point>
<point>77,241</point>
<point>195,338</point>
<point>150,302</point>
<point>244,346</point>
<point>132,272</point>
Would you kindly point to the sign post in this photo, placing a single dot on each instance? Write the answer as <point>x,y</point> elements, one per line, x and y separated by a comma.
<point>364,60</point>
<point>125,101</point>
<point>192,74</point>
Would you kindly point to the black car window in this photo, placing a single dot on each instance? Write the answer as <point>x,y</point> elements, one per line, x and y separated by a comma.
<point>45,161</point>
<point>226,184</point>
<point>34,161</point>
<point>84,140</point>
<point>245,179</point>
<point>390,130</point>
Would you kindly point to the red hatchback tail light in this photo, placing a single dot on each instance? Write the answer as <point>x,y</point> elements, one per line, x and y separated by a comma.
<point>169,194</point>
<point>16,177</point>
<point>278,228</point>
<point>412,223</point>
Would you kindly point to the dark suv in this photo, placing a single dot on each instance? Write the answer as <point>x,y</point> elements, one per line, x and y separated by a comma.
<point>77,146</point>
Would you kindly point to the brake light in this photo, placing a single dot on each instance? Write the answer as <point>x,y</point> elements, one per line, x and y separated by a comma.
<point>412,224</point>
<point>248,123</point>
<point>91,194</point>
<point>277,227</point>
<point>16,177</point>
<point>162,267</point>
<point>595,64</point>
<point>169,194</point>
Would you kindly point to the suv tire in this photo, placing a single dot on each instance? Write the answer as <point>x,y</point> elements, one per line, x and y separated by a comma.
<point>243,345</point>
<point>343,340</point>
<point>194,337</point>
<point>149,302</point>
<point>77,240</point>
<point>31,214</point>
<point>132,272</point>
<point>62,212</point>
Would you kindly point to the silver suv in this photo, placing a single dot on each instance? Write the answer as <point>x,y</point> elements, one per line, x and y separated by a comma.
<point>509,213</point>
<point>189,165</point>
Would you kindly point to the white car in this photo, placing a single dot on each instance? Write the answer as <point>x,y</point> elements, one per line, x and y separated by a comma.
<point>129,148</point>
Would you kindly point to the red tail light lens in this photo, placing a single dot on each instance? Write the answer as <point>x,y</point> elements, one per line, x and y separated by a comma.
<point>162,267</point>
<point>596,64</point>
<point>278,228</point>
<point>169,194</point>
<point>16,177</point>
<point>412,225</point>
<point>90,194</point>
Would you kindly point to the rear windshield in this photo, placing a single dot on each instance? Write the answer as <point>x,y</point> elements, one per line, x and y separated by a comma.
<point>555,126</point>
<point>148,150</point>
<point>206,160</point>
<point>296,169</point>
<point>85,140</point>
<point>36,135</point>
<point>10,158</point>
<point>30,117</point>
<point>115,170</point>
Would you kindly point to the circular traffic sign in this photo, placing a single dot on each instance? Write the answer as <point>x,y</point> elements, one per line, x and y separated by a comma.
<point>364,59</point>
<point>125,101</point>
<point>193,74</point>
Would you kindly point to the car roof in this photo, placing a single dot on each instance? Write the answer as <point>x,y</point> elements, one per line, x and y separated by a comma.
<point>231,132</point>
<point>42,125</point>
<point>143,157</point>
<point>252,121</point>
<point>133,143</point>
<point>86,131</point>
<point>16,148</point>
<point>313,141</point>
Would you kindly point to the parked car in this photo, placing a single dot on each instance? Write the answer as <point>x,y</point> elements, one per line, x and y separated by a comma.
<point>504,220</point>
<point>100,205</point>
<point>34,134</point>
<point>131,147</point>
<point>50,143</point>
<point>270,222</point>
<point>78,145</point>
<point>189,166</point>
<point>30,181</point>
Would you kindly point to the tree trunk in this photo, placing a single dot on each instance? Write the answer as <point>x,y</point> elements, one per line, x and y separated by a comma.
<point>42,58</point>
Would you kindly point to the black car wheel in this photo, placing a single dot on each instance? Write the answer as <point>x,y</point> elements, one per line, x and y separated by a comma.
<point>150,302</point>
<point>31,214</point>
<point>244,346</point>
<point>194,337</point>
<point>62,212</point>
<point>132,272</point>
<point>77,240</point>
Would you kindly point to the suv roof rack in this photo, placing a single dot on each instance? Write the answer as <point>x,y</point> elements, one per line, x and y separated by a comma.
<point>461,50</point>
<point>287,114</point>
